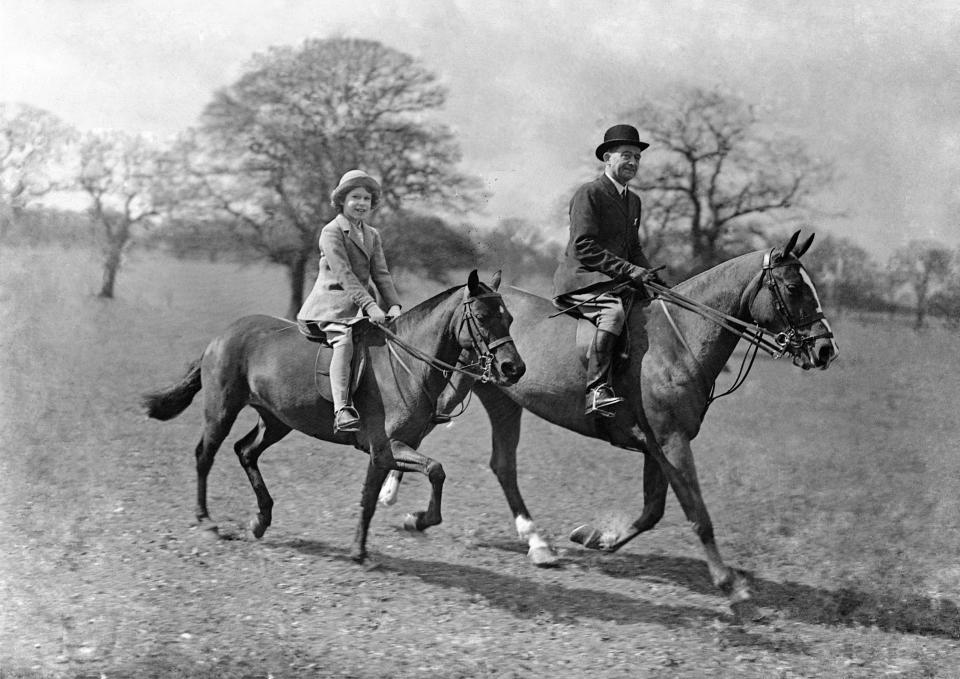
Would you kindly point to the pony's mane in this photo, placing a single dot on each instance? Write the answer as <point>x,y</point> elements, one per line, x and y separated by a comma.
<point>420,311</point>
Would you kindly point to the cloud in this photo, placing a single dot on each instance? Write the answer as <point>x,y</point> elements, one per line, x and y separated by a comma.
<point>532,84</point>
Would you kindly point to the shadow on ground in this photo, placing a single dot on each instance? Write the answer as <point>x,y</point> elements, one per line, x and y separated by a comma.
<point>554,603</point>
<point>888,611</point>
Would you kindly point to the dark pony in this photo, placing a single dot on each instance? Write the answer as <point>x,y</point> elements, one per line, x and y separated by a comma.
<point>265,363</point>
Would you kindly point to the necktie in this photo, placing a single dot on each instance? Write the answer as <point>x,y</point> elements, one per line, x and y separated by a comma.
<point>626,197</point>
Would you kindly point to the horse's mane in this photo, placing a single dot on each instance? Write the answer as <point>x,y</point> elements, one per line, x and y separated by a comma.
<point>686,283</point>
<point>693,280</point>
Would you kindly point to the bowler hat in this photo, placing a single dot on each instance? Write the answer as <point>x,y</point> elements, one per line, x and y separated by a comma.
<point>620,135</point>
<point>351,180</point>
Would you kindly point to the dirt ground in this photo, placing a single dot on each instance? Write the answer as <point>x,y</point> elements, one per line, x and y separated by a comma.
<point>836,491</point>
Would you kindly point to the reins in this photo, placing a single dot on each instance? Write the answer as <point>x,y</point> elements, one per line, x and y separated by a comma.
<point>483,348</point>
<point>776,344</point>
<point>741,373</point>
<point>480,346</point>
<point>753,333</point>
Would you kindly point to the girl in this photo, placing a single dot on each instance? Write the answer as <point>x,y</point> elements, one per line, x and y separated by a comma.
<point>351,257</point>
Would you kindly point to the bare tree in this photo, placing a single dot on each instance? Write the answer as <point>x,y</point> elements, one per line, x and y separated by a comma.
<point>847,275</point>
<point>923,265</point>
<point>32,146</point>
<point>271,146</point>
<point>427,245</point>
<point>118,172</point>
<point>715,174</point>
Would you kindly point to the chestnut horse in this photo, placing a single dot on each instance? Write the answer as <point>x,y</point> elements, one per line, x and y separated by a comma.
<point>667,384</point>
<point>265,363</point>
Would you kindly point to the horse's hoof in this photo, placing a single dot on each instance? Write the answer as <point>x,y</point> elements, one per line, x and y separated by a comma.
<point>257,527</point>
<point>543,557</point>
<point>740,594</point>
<point>358,555</point>
<point>746,611</point>
<point>210,533</point>
<point>410,523</point>
<point>586,535</point>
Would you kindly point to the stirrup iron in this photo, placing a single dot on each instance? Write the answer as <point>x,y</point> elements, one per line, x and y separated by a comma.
<point>346,419</point>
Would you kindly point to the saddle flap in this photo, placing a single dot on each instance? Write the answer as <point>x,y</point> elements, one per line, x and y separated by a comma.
<point>358,362</point>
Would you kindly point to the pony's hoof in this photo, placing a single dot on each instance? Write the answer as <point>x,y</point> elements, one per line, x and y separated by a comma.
<point>358,555</point>
<point>208,529</point>
<point>587,535</point>
<point>411,522</point>
<point>543,557</point>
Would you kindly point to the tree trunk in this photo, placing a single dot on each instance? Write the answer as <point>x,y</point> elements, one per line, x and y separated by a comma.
<point>921,315</point>
<point>704,253</point>
<point>110,268</point>
<point>296,271</point>
<point>922,287</point>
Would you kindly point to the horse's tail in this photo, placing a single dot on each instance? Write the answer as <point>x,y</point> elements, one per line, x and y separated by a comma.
<point>168,403</point>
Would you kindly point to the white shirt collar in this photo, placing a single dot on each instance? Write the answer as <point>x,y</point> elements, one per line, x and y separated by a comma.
<point>620,187</point>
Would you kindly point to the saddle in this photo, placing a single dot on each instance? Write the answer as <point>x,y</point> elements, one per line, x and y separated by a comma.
<point>362,338</point>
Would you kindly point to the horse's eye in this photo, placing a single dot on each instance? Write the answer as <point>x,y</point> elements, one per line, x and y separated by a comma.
<point>793,287</point>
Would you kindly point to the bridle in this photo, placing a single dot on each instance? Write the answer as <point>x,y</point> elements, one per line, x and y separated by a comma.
<point>776,344</point>
<point>482,348</point>
<point>480,345</point>
<point>791,340</point>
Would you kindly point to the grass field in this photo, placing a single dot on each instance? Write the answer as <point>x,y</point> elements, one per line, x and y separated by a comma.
<point>839,491</point>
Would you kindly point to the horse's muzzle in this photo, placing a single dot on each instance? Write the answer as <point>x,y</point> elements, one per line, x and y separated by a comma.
<point>510,370</point>
<point>818,354</point>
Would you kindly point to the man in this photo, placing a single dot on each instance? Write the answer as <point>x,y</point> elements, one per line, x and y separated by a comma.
<point>603,259</point>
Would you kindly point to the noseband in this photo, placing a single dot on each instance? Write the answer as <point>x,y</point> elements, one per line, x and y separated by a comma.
<point>481,346</point>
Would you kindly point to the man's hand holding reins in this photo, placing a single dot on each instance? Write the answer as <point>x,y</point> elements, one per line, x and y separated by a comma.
<point>643,276</point>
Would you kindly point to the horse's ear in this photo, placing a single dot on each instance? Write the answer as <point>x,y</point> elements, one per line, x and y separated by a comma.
<point>793,241</point>
<point>804,246</point>
<point>473,283</point>
<point>495,282</point>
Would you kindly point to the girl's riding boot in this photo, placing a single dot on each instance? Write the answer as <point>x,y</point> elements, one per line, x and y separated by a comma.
<point>346,417</point>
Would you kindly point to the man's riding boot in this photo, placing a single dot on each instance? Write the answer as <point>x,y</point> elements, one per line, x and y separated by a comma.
<point>600,397</point>
<point>345,416</point>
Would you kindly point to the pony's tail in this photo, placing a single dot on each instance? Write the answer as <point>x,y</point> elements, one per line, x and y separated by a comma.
<point>168,403</point>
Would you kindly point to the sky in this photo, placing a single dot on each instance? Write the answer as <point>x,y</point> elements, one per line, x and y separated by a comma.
<point>872,86</point>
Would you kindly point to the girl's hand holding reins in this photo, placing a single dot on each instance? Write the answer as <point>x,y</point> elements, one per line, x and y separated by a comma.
<point>376,315</point>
